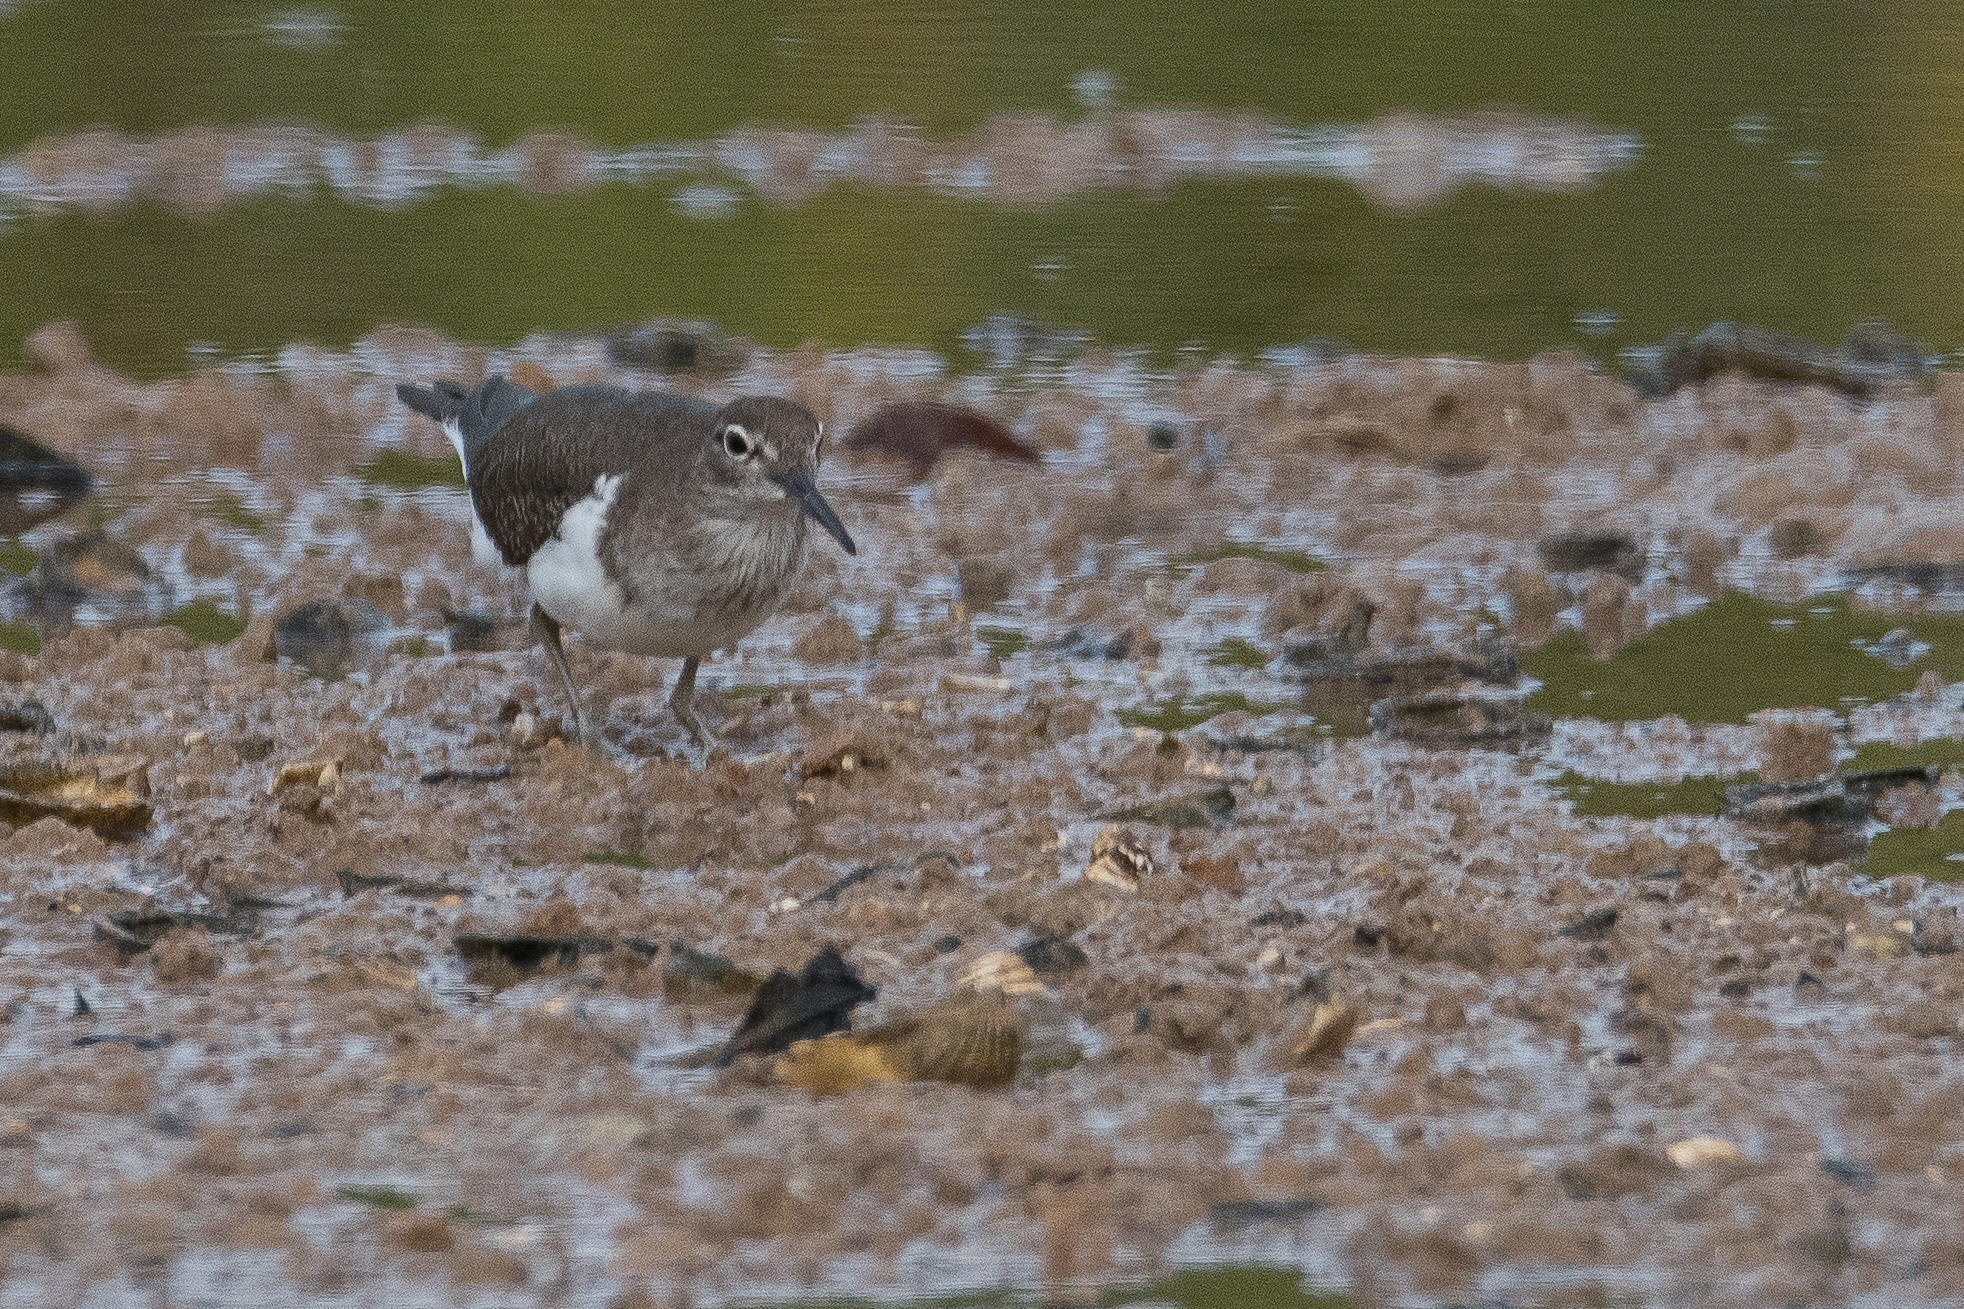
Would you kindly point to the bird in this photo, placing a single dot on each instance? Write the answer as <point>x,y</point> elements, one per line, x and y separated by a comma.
<point>650,522</point>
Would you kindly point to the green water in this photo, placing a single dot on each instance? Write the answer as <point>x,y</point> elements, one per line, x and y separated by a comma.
<point>1737,656</point>
<point>1843,207</point>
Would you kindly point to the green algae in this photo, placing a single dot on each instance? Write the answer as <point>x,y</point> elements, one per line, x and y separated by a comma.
<point>1178,713</point>
<point>229,509</point>
<point>398,471</point>
<point>20,639</point>
<point>1237,653</point>
<point>18,559</point>
<point>1003,642</point>
<point>1700,796</point>
<point>204,623</point>
<point>1936,853</point>
<point>377,1197</point>
<point>617,858</point>
<point>1945,752</point>
<point>1737,656</point>
<point>1294,561</point>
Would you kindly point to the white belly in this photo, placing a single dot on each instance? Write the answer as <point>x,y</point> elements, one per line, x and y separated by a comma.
<point>570,584</point>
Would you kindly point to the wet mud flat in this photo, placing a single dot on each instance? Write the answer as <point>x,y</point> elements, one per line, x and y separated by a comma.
<point>1192,754</point>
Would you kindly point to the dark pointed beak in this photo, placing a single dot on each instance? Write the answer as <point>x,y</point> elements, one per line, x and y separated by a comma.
<point>797,482</point>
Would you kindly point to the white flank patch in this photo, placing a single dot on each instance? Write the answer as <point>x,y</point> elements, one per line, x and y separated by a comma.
<point>566,574</point>
<point>483,550</point>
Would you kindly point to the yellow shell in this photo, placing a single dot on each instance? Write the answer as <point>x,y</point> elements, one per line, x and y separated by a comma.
<point>972,1039</point>
<point>1327,1031</point>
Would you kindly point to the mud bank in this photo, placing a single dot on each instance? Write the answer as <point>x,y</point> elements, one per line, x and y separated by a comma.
<point>1673,1059</point>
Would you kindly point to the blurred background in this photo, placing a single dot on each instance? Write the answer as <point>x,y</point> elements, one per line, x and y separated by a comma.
<point>201,182</point>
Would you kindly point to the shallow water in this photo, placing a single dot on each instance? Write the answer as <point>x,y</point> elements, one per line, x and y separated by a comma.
<point>1789,165</point>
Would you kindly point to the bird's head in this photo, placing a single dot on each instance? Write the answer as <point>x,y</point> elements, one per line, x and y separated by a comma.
<point>771,449</point>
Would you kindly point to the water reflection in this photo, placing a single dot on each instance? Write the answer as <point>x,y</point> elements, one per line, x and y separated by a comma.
<point>1400,161</point>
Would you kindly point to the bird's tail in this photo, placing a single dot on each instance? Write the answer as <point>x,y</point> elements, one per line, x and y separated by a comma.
<point>469,415</point>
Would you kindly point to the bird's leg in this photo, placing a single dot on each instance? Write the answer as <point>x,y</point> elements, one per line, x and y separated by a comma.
<point>678,703</point>
<point>547,628</point>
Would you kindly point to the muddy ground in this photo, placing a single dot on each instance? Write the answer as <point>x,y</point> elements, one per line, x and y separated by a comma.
<point>1738,1088</point>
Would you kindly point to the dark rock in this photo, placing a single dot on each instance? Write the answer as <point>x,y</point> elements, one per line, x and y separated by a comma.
<point>36,484</point>
<point>322,637</point>
<point>812,1004</point>
<point>1827,801</point>
<point>133,1042</point>
<point>26,716</point>
<point>1795,538</point>
<point>949,944</point>
<point>918,433</point>
<point>1860,1177</point>
<point>1592,552</point>
<point>354,883</point>
<point>1210,808</point>
<point>1447,720</point>
<point>1050,956</point>
<point>135,930</point>
<point>524,952</point>
<point>481,633</point>
<point>1870,358</point>
<point>1736,989</point>
<point>254,749</point>
<point>1591,926</point>
<point>1230,1216</point>
<point>466,776</point>
<point>1163,437</point>
<point>1926,942</point>
<point>677,346</point>
<point>1279,918</point>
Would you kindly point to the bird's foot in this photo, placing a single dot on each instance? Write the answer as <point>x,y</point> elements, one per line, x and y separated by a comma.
<point>704,738</point>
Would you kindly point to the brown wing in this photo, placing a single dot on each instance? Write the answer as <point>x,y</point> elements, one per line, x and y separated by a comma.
<point>546,458</point>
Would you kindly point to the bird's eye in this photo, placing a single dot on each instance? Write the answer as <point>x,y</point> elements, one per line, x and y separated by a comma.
<point>736,441</point>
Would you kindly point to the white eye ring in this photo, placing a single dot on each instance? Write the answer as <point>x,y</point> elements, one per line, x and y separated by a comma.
<point>737,443</point>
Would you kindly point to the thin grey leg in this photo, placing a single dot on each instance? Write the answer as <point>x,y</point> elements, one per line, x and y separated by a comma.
<point>547,628</point>
<point>678,704</point>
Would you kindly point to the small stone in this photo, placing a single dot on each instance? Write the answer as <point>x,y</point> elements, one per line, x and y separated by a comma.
<point>1001,971</point>
<point>1703,1151</point>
